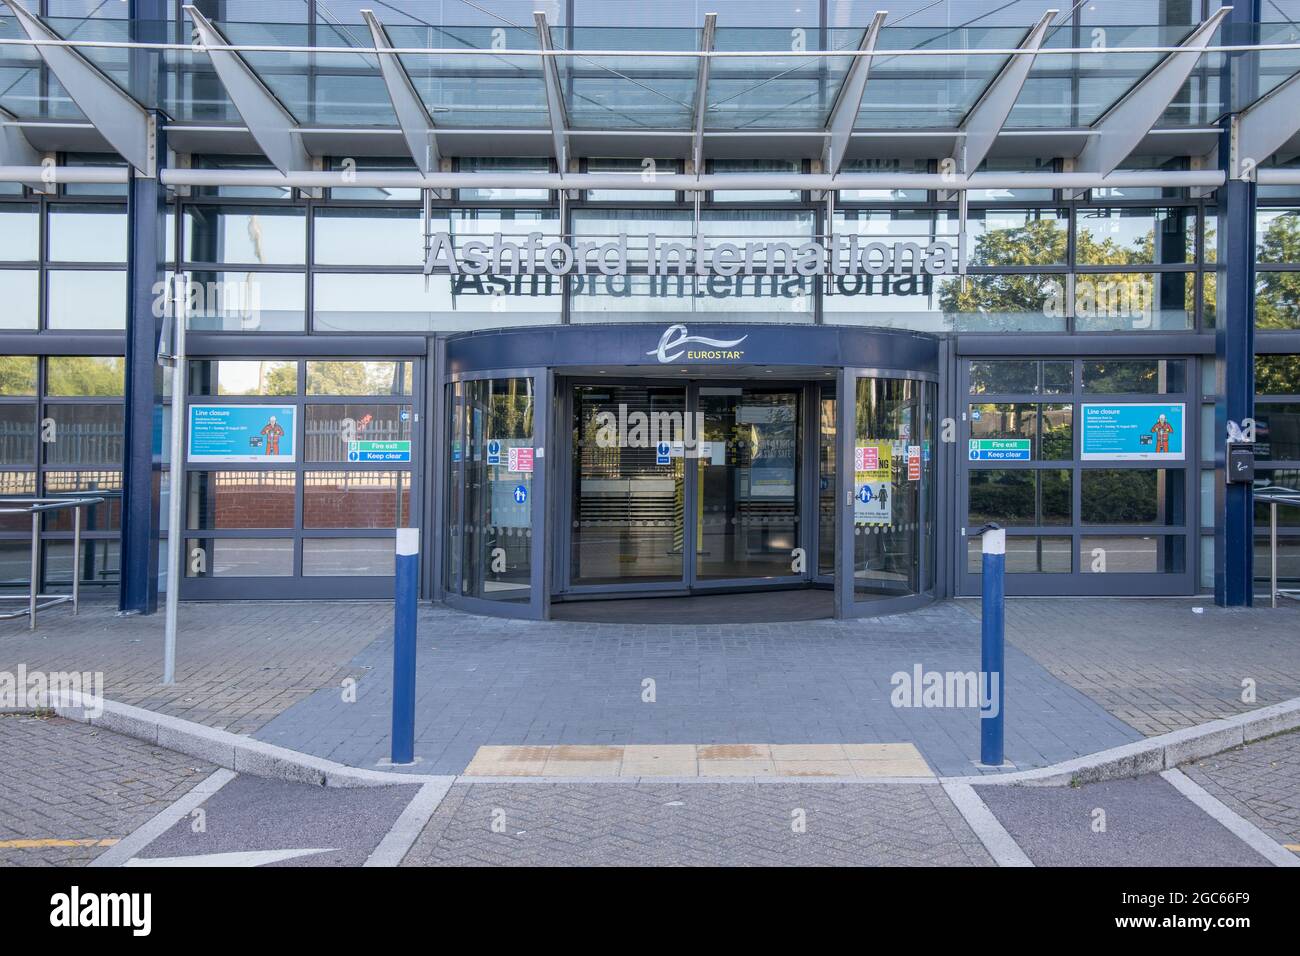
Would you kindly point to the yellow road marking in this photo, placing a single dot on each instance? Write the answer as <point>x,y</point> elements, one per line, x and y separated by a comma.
<point>1293,847</point>
<point>42,844</point>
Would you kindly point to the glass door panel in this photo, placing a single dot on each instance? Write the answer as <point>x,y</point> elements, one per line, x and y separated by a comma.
<point>493,454</point>
<point>748,483</point>
<point>889,480</point>
<point>629,494</point>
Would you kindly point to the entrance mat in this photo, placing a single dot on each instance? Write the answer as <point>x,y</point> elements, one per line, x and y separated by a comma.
<point>847,761</point>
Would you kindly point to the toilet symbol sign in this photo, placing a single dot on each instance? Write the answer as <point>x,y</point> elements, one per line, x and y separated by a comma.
<point>663,454</point>
<point>493,452</point>
<point>521,494</point>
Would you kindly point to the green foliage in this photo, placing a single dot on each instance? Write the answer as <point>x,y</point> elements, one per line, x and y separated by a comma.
<point>86,375</point>
<point>17,375</point>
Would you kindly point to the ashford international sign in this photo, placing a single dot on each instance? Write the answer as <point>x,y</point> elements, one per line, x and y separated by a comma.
<point>535,255</point>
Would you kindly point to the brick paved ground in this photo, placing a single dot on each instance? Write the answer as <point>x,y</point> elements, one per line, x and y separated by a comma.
<point>489,681</point>
<point>696,825</point>
<point>237,664</point>
<point>1260,781</point>
<point>66,781</point>
<point>1157,665</point>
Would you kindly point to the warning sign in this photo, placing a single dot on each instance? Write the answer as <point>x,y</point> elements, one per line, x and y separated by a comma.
<point>519,459</point>
<point>913,462</point>
<point>873,489</point>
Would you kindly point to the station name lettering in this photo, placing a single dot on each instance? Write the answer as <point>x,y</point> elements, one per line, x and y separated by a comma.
<point>536,255</point>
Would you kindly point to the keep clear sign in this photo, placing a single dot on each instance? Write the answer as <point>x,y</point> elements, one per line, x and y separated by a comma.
<point>872,490</point>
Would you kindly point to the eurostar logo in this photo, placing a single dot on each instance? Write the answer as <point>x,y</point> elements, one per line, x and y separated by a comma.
<point>675,341</point>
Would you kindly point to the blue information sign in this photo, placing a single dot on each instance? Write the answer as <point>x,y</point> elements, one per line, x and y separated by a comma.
<point>1132,432</point>
<point>242,433</point>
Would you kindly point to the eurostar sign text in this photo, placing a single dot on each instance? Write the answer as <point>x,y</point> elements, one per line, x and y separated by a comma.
<point>535,255</point>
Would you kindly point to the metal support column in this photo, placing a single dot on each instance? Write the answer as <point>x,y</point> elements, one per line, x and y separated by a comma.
<point>1234,339</point>
<point>146,224</point>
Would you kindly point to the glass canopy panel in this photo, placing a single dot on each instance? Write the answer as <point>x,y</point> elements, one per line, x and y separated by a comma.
<point>932,92</point>
<point>480,90</point>
<point>775,91</point>
<point>1074,90</point>
<point>23,88</point>
<point>1275,67</point>
<point>625,92</point>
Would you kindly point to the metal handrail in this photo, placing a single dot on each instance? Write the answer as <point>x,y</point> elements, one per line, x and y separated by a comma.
<point>1277,495</point>
<point>37,507</point>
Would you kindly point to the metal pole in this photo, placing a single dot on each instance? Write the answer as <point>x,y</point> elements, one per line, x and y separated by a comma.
<point>406,585</point>
<point>992,641</point>
<point>175,494</point>
<point>1272,547</point>
<point>76,559</point>
<point>36,570</point>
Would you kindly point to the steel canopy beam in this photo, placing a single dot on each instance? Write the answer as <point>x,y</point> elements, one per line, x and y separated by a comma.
<point>412,116</point>
<point>982,124</point>
<point>554,95</point>
<point>128,126</point>
<point>1124,125</point>
<point>848,101</point>
<point>17,150</point>
<point>1265,126</point>
<point>276,131</point>
<point>702,92</point>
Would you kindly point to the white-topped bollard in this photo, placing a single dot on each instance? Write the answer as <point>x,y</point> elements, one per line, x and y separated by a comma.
<point>993,541</point>
<point>406,576</point>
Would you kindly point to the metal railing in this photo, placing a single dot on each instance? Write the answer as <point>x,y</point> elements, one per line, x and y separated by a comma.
<point>37,507</point>
<point>1276,495</point>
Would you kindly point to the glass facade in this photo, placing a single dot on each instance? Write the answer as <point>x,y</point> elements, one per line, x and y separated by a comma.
<point>330,302</point>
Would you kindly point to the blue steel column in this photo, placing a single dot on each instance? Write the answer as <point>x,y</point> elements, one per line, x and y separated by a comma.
<point>146,224</point>
<point>1234,338</point>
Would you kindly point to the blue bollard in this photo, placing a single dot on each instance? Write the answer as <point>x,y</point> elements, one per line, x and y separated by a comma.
<point>407,575</point>
<point>992,639</point>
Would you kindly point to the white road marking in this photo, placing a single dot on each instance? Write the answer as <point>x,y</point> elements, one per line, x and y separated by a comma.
<point>397,841</point>
<point>1000,844</point>
<point>134,843</point>
<point>1243,829</point>
<point>237,858</point>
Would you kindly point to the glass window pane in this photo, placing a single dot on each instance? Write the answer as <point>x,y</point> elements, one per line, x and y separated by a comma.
<point>358,378</point>
<point>1132,496</point>
<point>82,299</point>
<point>271,377</point>
<point>1132,554</point>
<point>1004,303</point>
<point>246,235</point>
<point>363,237</point>
<point>1132,235</point>
<point>1048,427</point>
<point>499,165</point>
<point>243,301</point>
<point>330,428</point>
<point>1136,376</point>
<point>1277,235</point>
<point>772,166</point>
<point>16,484</point>
<point>106,516</point>
<point>1026,554</point>
<point>1120,301</point>
<point>1004,377</point>
<point>19,233</point>
<point>241,557</point>
<point>1277,431</point>
<point>19,292</point>
<point>18,375</point>
<point>1018,237</point>
<point>73,375</point>
<point>1277,300</point>
<point>356,499</point>
<point>240,499</point>
<point>87,233</point>
<point>647,168</point>
<point>84,434</point>
<point>1274,374</point>
<point>18,434</point>
<point>1005,496</point>
<point>347,557</point>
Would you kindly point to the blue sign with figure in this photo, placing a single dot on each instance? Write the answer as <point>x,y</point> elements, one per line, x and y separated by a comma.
<point>1132,432</point>
<point>242,433</point>
<point>494,452</point>
<point>521,494</point>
